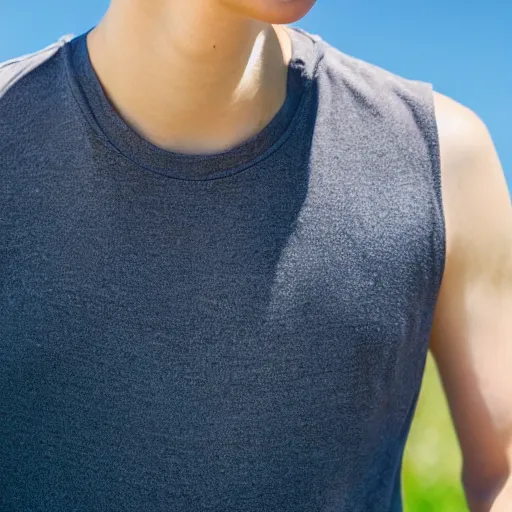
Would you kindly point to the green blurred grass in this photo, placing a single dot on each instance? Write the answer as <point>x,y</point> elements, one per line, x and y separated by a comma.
<point>432,459</point>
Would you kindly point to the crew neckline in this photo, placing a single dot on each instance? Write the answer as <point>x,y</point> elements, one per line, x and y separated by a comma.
<point>114,130</point>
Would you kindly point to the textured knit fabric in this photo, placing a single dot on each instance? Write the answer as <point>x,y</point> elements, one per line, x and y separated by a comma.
<point>238,332</point>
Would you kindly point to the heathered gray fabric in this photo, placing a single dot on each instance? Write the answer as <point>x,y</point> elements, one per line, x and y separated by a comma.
<point>240,332</point>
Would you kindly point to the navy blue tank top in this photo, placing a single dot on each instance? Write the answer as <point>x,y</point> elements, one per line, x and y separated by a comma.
<point>243,331</point>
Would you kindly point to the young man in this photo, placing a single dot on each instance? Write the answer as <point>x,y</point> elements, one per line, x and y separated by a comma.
<point>226,248</point>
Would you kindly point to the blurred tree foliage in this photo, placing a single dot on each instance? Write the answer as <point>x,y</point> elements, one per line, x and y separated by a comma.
<point>432,461</point>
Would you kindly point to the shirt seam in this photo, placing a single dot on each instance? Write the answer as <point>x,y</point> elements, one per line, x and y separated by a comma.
<point>232,172</point>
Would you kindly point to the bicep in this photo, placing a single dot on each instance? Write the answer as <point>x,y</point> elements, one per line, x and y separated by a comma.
<point>471,342</point>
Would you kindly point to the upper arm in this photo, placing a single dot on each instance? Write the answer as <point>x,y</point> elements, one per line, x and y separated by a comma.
<point>471,338</point>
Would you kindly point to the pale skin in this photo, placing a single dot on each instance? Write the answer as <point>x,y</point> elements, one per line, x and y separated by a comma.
<point>201,76</point>
<point>471,338</point>
<point>193,76</point>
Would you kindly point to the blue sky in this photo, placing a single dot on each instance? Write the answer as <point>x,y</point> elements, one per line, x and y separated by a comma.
<point>463,47</point>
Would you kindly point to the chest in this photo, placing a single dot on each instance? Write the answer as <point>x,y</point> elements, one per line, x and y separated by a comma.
<point>308,255</point>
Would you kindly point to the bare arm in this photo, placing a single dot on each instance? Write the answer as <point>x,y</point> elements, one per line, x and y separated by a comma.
<point>472,333</point>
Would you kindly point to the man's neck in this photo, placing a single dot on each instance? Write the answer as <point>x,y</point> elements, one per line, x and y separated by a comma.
<point>189,78</point>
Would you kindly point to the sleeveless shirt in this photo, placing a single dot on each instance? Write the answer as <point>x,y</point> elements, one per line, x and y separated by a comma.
<point>243,331</point>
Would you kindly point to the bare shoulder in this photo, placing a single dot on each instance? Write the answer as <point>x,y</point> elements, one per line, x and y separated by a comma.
<point>475,193</point>
<point>462,133</point>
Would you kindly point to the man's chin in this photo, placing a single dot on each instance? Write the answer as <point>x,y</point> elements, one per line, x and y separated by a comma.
<point>272,11</point>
